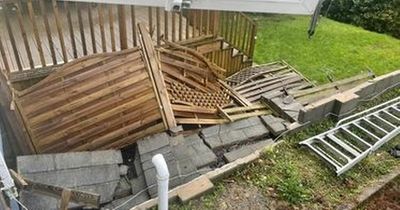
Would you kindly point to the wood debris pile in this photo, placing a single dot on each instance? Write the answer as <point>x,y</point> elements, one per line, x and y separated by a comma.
<point>110,100</point>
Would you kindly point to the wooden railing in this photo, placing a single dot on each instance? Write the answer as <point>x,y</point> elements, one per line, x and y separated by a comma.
<point>43,33</point>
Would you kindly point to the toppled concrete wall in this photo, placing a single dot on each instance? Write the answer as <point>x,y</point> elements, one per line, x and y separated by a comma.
<point>342,104</point>
<point>97,172</point>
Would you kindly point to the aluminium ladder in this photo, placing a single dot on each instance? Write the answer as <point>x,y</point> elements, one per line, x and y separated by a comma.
<point>347,144</point>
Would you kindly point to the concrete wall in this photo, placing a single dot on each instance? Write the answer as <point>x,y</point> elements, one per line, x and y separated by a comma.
<point>342,104</point>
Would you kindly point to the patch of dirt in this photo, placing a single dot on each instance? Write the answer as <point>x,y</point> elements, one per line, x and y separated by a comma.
<point>238,196</point>
<point>386,199</point>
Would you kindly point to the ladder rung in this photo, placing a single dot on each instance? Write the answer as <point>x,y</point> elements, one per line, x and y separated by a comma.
<point>343,145</point>
<point>340,153</point>
<point>326,157</point>
<point>377,128</point>
<point>385,121</point>
<point>356,137</point>
<point>396,109</point>
<point>391,115</point>
<point>366,131</point>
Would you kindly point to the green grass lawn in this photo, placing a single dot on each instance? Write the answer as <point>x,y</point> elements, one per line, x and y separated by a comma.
<point>338,49</point>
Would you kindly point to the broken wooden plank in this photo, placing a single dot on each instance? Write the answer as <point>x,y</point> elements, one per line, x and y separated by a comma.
<point>153,64</point>
<point>239,98</point>
<point>197,121</point>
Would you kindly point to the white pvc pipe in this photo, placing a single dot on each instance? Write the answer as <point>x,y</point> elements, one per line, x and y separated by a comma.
<point>162,180</point>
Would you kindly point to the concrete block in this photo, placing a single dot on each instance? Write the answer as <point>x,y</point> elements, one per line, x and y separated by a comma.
<point>238,153</point>
<point>274,124</point>
<point>153,142</point>
<point>213,142</point>
<point>105,190</point>
<point>35,163</point>
<point>345,103</point>
<point>256,131</point>
<point>77,177</point>
<point>210,131</point>
<point>233,137</point>
<point>262,144</point>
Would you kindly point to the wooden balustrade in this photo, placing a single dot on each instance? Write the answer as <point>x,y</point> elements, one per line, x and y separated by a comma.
<point>43,33</point>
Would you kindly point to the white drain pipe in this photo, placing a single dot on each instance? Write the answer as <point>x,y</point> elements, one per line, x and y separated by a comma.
<point>162,180</point>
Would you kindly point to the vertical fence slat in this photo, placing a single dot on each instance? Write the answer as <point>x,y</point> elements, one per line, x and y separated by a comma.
<point>253,40</point>
<point>158,26</point>
<point>23,33</point>
<point>36,33</point>
<point>71,29</point>
<point>101,25</point>
<point>4,57</point>
<point>245,35</point>
<point>201,23</point>
<point>59,30</point>
<point>133,22</point>
<point>111,23</point>
<point>208,22</point>
<point>122,27</point>
<point>82,30</point>
<point>187,26</point>
<point>166,34</point>
<point>173,21</point>
<point>194,22</point>
<point>150,13</point>
<point>91,28</point>
<point>180,26</point>
<point>12,40</point>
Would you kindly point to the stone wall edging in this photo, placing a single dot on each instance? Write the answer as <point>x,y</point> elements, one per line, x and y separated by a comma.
<point>342,104</point>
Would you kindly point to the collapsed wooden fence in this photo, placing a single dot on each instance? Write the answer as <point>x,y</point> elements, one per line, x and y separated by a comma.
<point>43,33</point>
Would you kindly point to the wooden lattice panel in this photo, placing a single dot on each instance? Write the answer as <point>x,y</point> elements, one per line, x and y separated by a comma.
<point>182,93</point>
<point>97,102</point>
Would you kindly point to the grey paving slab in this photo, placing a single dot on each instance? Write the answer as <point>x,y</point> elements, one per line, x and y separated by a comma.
<point>246,150</point>
<point>153,142</point>
<point>256,131</point>
<point>77,177</point>
<point>213,142</point>
<point>35,163</point>
<point>105,190</point>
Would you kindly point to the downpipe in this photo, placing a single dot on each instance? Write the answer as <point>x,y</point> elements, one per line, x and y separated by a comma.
<point>162,180</point>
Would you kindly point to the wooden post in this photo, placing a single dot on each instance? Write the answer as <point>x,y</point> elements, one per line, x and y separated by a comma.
<point>23,33</point>
<point>133,21</point>
<point>82,30</point>
<point>122,27</point>
<point>111,22</point>
<point>91,28</point>
<point>101,25</point>
<point>71,29</point>
<point>12,40</point>
<point>59,30</point>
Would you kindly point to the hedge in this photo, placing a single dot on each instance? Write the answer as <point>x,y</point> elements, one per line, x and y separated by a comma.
<point>382,16</point>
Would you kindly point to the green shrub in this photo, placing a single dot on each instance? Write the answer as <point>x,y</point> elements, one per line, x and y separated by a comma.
<point>382,16</point>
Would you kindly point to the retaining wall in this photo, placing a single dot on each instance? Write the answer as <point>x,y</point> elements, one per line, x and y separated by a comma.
<point>342,104</point>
